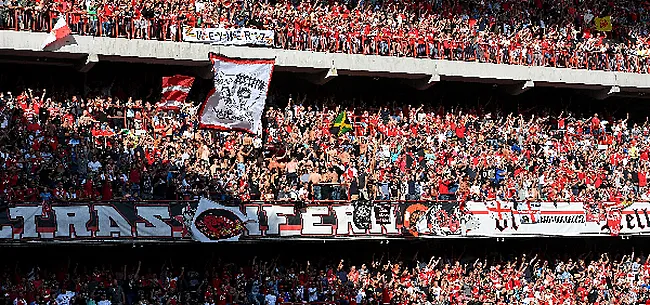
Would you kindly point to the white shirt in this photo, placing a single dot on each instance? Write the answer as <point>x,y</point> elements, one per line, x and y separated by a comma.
<point>436,291</point>
<point>442,137</point>
<point>384,152</point>
<point>199,6</point>
<point>257,142</point>
<point>475,189</point>
<point>270,299</point>
<point>94,165</point>
<point>300,292</point>
<point>302,193</point>
<point>19,301</point>
<point>64,298</point>
<point>360,296</point>
<point>104,302</point>
<point>313,296</point>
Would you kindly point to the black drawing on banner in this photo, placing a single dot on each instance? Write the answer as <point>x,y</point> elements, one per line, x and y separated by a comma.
<point>448,219</point>
<point>237,94</point>
<point>470,222</point>
<point>414,216</point>
<point>503,214</point>
<point>529,212</point>
<point>502,223</point>
<point>226,36</point>
<point>593,212</point>
<point>362,214</point>
<point>382,213</point>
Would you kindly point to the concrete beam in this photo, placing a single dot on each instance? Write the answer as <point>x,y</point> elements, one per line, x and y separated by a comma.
<point>89,63</point>
<point>195,54</point>
<point>520,88</point>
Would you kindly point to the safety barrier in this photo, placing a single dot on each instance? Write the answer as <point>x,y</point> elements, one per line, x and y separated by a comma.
<point>169,29</point>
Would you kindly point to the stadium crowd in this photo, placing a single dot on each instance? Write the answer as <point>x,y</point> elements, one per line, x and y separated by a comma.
<point>103,148</point>
<point>533,32</point>
<point>544,279</point>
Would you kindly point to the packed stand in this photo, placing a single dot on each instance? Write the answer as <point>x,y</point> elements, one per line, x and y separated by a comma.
<point>103,148</point>
<point>543,279</point>
<point>431,154</point>
<point>534,32</point>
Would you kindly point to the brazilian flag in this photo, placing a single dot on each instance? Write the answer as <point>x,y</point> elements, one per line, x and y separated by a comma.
<point>341,124</point>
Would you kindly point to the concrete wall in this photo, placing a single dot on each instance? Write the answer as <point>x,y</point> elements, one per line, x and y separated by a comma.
<point>23,43</point>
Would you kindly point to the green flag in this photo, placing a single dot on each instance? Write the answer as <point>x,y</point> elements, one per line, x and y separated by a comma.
<point>341,124</point>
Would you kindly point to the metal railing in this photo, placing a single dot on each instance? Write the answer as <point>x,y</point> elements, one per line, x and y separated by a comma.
<point>168,29</point>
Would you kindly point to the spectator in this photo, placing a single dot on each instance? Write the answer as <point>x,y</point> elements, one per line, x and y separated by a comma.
<point>496,31</point>
<point>391,154</point>
<point>547,277</point>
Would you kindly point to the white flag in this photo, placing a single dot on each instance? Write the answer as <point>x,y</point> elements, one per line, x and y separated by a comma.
<point>214,222</point>
<point>239,94</point>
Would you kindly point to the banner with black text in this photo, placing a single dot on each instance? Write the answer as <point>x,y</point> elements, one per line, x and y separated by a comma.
<point>94,221</point>
<point>213,221</point>
<point>223,36</point>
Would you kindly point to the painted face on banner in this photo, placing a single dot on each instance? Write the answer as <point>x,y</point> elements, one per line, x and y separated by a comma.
<point>234,95</point>
<point>243,93</point>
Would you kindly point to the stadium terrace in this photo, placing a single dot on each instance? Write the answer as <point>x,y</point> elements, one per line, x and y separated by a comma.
<point>611,36</point>
<point>100,147</point>
<point>324,152</point>
<point>381,275</point>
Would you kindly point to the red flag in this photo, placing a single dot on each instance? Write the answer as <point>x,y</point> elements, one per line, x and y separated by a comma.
<point>174,91</point>
<point>60,31</point>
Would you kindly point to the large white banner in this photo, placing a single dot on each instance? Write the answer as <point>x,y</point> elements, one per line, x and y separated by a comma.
<point>222,36</point>
<point>362,220</point>
<point>214,222</point>
<point>239,94</point>
<point>528,219</point>
<point>507,218</point>
<point>94,221</point>
<point>210,221</point>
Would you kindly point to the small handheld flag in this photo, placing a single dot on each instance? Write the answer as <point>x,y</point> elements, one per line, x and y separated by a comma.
<point>341,124</point>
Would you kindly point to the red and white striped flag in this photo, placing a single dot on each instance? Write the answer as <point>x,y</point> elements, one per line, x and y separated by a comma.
<point>174,91</point>
<point>60,31</point>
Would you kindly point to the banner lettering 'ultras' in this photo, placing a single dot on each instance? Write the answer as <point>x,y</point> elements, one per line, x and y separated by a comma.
<point>239,95</point>
<point>97,221</point>
<point>222,36</point>
<point>210,221</point>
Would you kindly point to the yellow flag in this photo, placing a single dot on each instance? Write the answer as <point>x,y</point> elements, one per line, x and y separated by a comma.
<point>603,23</point>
